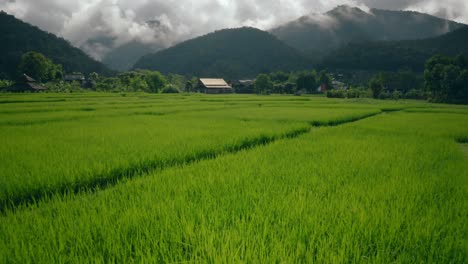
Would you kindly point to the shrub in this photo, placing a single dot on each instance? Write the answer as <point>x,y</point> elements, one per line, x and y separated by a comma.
<point>396,95</point>
<point>353,93</point>
<point>169,90</point>
<point>416,94</point>
<point>384,95</point>
<point>336,94</point>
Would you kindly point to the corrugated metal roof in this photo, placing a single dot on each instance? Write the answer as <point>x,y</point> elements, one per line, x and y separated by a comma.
<point>215,83</point>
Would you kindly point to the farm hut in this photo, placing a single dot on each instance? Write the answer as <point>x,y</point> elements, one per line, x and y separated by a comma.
<point>214,86</point>
<point>26,84</point>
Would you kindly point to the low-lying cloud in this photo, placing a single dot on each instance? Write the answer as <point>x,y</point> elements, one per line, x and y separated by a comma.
<point>98,26</point>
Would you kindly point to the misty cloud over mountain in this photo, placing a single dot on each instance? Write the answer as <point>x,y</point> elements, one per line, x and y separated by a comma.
<point>99,26</point>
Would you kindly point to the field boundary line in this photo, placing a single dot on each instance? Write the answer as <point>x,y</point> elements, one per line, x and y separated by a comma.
<point>117,175</point>
<point>116,115</point>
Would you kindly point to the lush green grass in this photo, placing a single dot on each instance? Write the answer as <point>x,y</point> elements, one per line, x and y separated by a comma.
<point>48,151</point>
<point>390,188</point>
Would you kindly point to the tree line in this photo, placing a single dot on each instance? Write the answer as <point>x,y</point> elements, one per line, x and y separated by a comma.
<point>293,82</point>
<point>445,80</point>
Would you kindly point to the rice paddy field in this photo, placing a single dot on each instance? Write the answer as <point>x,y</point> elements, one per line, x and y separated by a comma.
<point>138,178</point>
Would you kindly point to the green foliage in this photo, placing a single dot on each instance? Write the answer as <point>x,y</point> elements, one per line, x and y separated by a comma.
<point>361,92</point>
<point>396,95</point>
<point>279,77</point>
<point>64,87</point>
<point>263,84</point>
<point>155,81</point>
<point>39,67</point>
<point>111,84</point>
<point>307,81</point>
<point>19,38</point>
<point>177,81</point>
<point>225,54</point>
<point>135,81</point>
<point>5,83</point>
<point>189,87</point>
<point>141,83</point>
<point>416,94</point>
<point>392,56</point>
<point>376,85</point>
<point>284,88</point>
<point>169,89</point>
<point>402,81</point>
<point>446,78</point>
<point>336,94</point>
<point>94,76</point>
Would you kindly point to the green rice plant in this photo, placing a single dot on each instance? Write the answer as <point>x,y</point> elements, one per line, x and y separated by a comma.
<point>381,190</point>
<point>67,150</point>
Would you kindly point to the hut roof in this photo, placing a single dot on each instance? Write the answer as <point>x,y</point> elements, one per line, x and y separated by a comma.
<point>28,79</point>
<point>215,83</point>
<point>26,84</point>
<point>75,76</point>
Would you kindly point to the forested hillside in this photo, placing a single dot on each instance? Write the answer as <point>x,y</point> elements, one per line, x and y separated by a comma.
<point>395,55</point>
<point>229,53</point>
<point>18,37</point>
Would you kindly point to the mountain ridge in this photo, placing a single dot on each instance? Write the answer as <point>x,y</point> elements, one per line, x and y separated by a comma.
<point>395,55</point>
<point>231,53</point>
<point>19,37</point>
<point>320,34</point>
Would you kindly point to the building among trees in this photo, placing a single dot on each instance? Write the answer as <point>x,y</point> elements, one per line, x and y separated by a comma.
<point>214,86</point>
<point>75,77</point>
<point>26,84</point>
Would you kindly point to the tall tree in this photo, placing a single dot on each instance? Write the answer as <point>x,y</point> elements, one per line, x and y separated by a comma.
<point>376,86</point>
<point>155,80</point>
<point>39,67</point>
<point>307,81</point>
<point>446,79</point>
<point>263,84</point>
<point>279,77</point>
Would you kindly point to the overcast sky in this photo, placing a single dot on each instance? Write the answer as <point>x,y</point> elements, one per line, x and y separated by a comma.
<point>98,25</point>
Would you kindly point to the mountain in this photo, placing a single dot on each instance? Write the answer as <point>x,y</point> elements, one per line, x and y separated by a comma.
<point>229,53</point>
<point>395,55</point>
<point>317,35</point>
<point>18,37</point>
<point>124,57</point>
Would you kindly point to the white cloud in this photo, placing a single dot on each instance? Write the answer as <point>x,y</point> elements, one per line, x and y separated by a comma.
<point>452,9</point>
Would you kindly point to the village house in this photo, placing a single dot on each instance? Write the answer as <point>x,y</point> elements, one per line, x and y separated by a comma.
<point>323,88</point>
<point>75,77</point>
<point>339,85</point>
<point>213,86</point>
<point>26,84</point>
